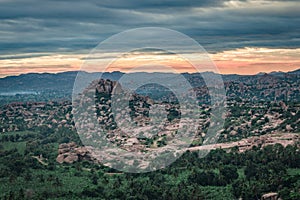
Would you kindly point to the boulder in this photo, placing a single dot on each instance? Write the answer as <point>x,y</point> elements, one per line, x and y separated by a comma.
<point>71,158</point>
<point>60,158</point>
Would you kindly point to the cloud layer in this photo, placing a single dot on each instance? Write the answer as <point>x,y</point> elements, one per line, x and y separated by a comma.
<point>64,25</point>
<point>73,26</point>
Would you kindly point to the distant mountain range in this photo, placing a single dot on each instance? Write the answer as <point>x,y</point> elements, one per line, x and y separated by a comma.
<point>64,81</point>
<point>45,81</point>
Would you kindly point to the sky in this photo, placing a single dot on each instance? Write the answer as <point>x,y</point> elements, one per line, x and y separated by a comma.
<point>241,36</point>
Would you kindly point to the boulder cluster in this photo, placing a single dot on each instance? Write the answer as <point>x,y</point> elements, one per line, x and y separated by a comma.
<point>71,152</point>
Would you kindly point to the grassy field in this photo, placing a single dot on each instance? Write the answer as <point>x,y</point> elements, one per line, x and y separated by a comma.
<point>20,146</point>
<point>42,181</point>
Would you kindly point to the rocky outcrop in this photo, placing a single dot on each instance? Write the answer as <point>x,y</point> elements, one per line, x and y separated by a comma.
<point>284,139</point>
<point>71,152</point>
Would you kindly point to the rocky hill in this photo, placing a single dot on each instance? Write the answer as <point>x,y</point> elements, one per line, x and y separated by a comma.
<point>274,85</point>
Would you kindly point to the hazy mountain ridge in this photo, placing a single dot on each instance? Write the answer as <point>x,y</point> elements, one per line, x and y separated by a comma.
<point>34,87</point>
<point>45,81</point>
<point>65,80</point>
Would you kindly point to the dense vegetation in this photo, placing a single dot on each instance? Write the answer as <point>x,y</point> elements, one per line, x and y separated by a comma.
<point>28,167</point>
<point>220,175</point>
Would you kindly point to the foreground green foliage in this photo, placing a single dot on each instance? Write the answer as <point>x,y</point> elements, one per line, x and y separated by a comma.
<point>220,175</point>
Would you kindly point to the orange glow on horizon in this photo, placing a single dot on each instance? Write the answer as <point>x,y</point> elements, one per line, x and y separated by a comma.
<point>237,61</point>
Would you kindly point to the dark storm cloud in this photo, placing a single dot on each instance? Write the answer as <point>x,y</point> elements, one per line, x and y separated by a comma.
<point>158,4</point>
<point>72,26</point>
